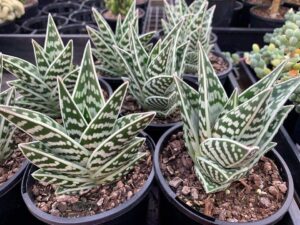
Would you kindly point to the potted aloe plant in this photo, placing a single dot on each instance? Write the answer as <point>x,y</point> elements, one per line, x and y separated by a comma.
<point>37,83</point>
<point>118,9</point>
<point>268,16</point>
<point>94,169</point>
<point>12,162</point>
<point>197,27</point>
<point>150,75</point>
<point>220,168</point>
<point>109,65</point>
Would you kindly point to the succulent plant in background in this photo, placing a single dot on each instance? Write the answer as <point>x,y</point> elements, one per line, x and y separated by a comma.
<point>37,83</point>
<point>283,43</point>
<point>226,137</point>
<point>7,130</point>
<point>118,7</point>
<point>150,75</point>
<point>10,10</point>
<point>93,146</point>
<point>108,61</point>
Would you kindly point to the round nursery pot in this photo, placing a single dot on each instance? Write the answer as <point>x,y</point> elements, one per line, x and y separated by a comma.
<point>175,212</point>
<point>13,210</point>
<point>223,12</point>
<point>222,75</point>
<point>237,14</point>
<point>291,4</point>
<point>114,82</point>
<point>132,212</point>
<point>75,29</point>
<point>38,24</point>
<point>43,3</point>
<point>112,20</point>
<point>88,4</point>
<point>83,16</point>
<point>9,28</point>
<point>61,8</point>
<point>260,21</point>
<point>143,4</point>
<point>104,85</point>
<point>213,38</point>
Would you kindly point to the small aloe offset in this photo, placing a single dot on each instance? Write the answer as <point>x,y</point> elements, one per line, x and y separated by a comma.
<point>149,73</point>
<point>7,130</point>
<point>108,61</point>
<point>226,137</point>
<point>197,22</point>
<point>93,147</point>
<point>37,83</point>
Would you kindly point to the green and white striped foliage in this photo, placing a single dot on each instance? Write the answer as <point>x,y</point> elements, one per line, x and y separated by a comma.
<point>37,83</point>
<point>148,73</point>
<point>108,61</point>
<point>7,130</point>
<point>226,137</point>
<point>197,22</point>
<point>93,146</point>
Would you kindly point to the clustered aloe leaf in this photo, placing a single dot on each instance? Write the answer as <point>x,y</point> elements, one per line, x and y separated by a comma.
<point>151,82</point>
<point>37,83</point>
<point>226,137</point>
<point>93,147</point>
<point>7,130</point>
<point>197,22</point>
<point>108,61</point>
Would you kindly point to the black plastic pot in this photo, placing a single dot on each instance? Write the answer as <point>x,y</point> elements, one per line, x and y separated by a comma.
<point>105,86</point>
<point>114,82</point>
<point>83,16</point>
<point>292,5</point>
<point>13,210</point>
<point>237,15</point>
<point>113,22</point>
<point>61,8</point>
<point>213,38</point>
<point>38,25</point>
<point>43,3</point>
<point>131,212</point>
<point>175,212</point>
<point>9,28</point>
<point>88,4</point>
<point>143,5</point>
<point>75,29</point>
<point>222,76</point>
<point>262,22</point>
<point>223,12</point>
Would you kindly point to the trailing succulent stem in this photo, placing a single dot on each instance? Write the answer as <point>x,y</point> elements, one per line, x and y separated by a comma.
<point>118,7</point>
<point>274,9</point>
<point>108,61</point>
<point>10,10</point>
<point>93,147</point>
<point>150,77</point>
<point>37,83</point>
<point>7,130</point>
<point>226,137</point>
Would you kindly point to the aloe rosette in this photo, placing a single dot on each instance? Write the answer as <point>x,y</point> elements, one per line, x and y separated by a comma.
<point>226,137</point>
<point>93,146</point>
<point>37,83</point>
<point>108,61</point>
<point>7,130</point>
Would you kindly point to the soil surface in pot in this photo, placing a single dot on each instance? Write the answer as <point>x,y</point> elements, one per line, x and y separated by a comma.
<point>110,16</point>
<point>259,2</point>
<point>262,12</point>
<point>12,165</point>
<point>97,200</point>
<point>219,64</point>
<point>130,106</point>
<point>255,197</point>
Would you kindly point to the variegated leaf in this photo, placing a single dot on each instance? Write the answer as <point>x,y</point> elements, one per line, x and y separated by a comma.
<point>40,58</point>
<point>112,145</point>
<point>158,85</point>
<point>232,102</point>
<point>102,124</point>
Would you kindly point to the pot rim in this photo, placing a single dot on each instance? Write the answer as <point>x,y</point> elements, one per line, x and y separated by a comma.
<point>199,217</point>
<point>265,18</point>
<point>46,8</point>
<point>26,25</point>
<point>88,220</point>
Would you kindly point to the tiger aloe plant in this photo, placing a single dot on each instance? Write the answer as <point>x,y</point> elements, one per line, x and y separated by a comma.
<point>197,22</point>
<point>226,137</point>
<point>93,146</point>
<point>37,83</point>
<point>152,84</point>
<point>7,130</point>
<point>108,61</point>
